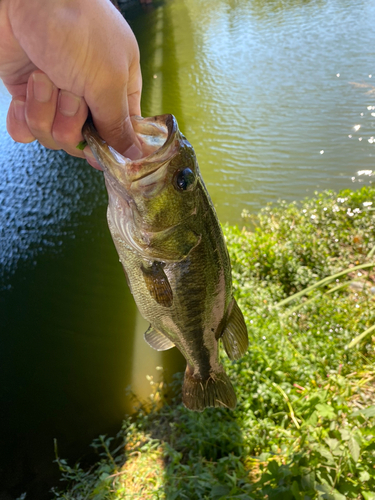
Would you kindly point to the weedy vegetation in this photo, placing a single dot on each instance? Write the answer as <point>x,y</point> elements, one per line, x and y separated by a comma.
<point>304,426</point>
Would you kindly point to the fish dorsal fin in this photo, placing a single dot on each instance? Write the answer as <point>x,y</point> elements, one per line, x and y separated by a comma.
<point>235,338</point>
<point>157,340</point>
<point>157,283</point>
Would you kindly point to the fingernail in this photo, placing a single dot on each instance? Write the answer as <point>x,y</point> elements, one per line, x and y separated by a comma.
<point>133,153</point>
<point>91,158</point>
<point>68,103</point>
<point>19,110</point>
<point>43,87</point>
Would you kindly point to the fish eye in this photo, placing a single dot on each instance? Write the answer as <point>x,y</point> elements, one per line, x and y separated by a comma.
<point>184,179</point>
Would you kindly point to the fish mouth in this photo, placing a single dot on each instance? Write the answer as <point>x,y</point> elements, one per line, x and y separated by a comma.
<point>159,138</point>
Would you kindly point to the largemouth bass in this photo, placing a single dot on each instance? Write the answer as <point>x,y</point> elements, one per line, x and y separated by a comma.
<point>172,248</point>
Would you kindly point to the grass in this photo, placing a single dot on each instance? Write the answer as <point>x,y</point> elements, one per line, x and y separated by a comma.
<point>304,427</point>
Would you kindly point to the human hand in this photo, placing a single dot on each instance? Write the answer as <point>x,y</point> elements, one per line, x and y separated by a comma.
<point>59,58</point>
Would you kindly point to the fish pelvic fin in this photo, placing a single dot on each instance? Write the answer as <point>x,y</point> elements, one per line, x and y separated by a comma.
<point>157,340</point>
<point>234,337</point>
<point>217,390</point>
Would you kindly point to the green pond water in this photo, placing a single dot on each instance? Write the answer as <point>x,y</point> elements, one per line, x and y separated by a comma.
<point>278,99</point>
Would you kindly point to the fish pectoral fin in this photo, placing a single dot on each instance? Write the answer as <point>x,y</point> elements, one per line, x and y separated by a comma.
<point>217,390</point>
<point>173,244</point>
<point>234,337</point>
<point>157,340</point>
<point>157,283</point>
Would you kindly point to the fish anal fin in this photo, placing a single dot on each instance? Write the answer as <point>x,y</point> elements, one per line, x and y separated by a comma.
<point>234,337</point>
<point>157,283</point>
<point>217,391</point>
<point>157,340</point>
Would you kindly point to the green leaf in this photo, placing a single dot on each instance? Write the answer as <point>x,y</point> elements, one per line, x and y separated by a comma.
<point>81,145</point>
<point>308,479</point>
<point>367,412</point>
<point>296,491</point>
<point>364,476</point>
<point>336,495</point>
<point>313,419</point>
<point>332,443</point>
<point>326,492</point>
<point>325,411</point>
<point>219,491</point>
<point>345,434</point>
<point>354,448</point>
<point>368,495</point>
<point>273,467</point>
<point>324,452</point>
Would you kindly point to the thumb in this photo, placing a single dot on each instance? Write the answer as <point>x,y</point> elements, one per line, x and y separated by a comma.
<point>111,116</point>
<point>113,86</point>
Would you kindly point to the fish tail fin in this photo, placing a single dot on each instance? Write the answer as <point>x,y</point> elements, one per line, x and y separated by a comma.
<point>217,390</point>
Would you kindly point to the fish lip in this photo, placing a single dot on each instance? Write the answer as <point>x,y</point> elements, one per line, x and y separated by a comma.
<point>111,160</point>
<point>171,124</point>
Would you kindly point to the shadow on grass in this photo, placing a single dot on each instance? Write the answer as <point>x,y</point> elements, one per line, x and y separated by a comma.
<point>174,453</point>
